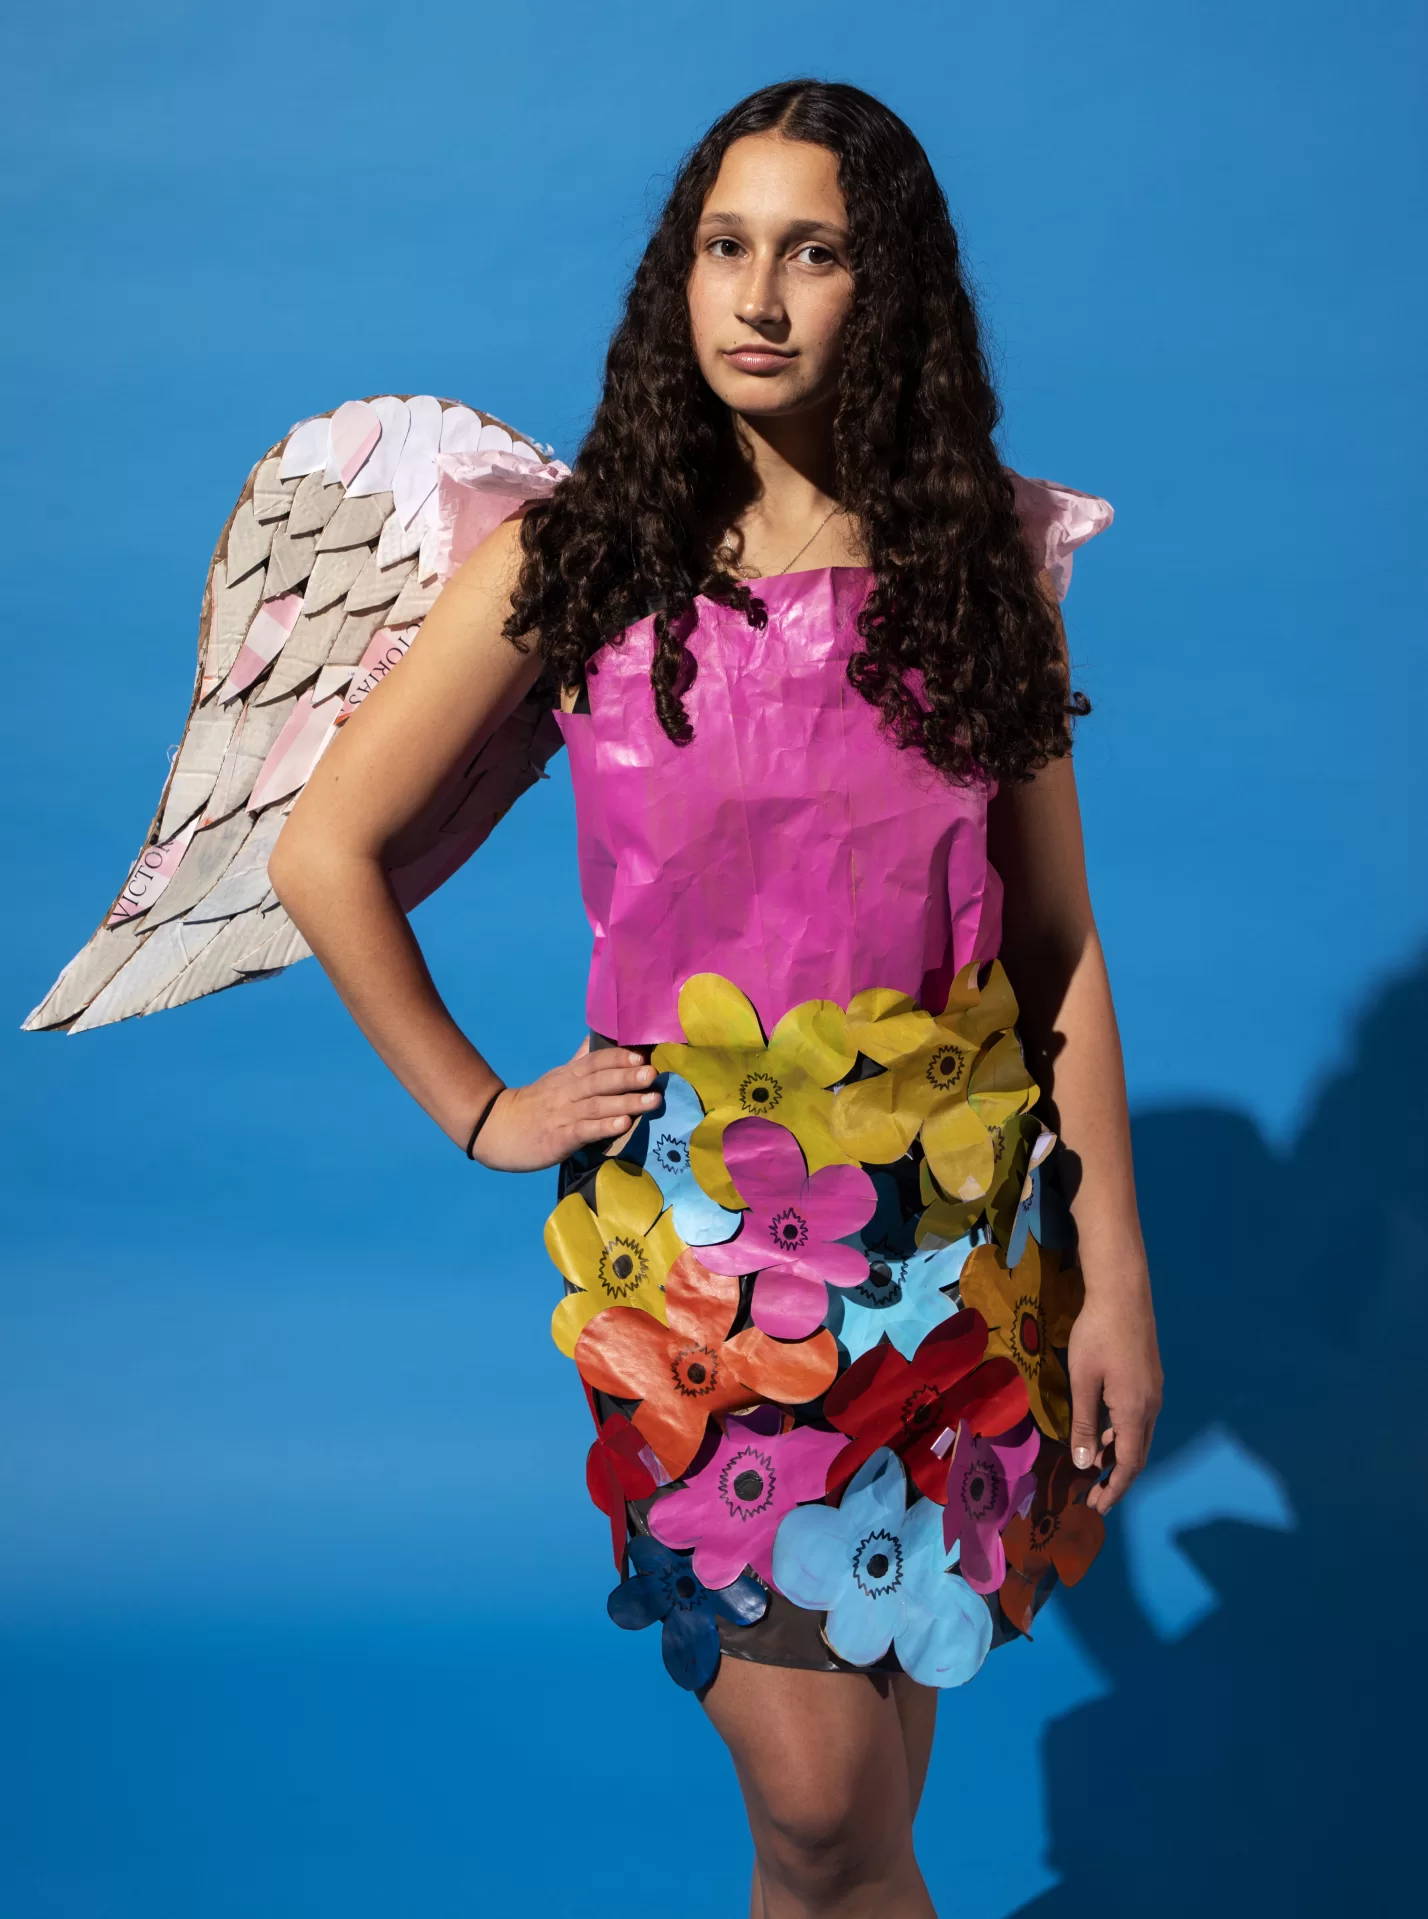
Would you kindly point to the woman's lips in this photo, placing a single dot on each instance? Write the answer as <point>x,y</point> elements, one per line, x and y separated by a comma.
<point>758,359</point>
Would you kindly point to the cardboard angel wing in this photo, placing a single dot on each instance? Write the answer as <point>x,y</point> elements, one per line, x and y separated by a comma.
<point>340,542</point>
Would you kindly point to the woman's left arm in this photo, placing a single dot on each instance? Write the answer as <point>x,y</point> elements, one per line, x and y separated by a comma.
<point>1053,958</point>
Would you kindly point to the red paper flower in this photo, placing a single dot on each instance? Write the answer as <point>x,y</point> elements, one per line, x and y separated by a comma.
<point>619,1467</point>
<point>1060,1534</point>
<point>914,1405</point>
<point>690,1368</point>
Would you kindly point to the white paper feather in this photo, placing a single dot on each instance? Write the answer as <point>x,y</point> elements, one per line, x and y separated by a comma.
<point>306,447</point>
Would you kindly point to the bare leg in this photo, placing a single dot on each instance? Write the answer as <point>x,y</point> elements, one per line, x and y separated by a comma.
<point>917,1709</point>
<point>825,1775</point>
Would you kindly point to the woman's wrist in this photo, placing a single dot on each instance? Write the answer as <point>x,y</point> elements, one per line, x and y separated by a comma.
<point>487,1108</point>
<point>1112,1259</point>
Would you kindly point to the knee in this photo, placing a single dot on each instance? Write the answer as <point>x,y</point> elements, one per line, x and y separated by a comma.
<point>822,1841</point>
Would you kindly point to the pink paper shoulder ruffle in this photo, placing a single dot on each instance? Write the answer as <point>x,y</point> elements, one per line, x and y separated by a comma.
<point>475,492</point>
<point>1055,520</point>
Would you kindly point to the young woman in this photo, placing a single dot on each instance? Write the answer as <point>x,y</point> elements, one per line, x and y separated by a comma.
<point>799,624</point>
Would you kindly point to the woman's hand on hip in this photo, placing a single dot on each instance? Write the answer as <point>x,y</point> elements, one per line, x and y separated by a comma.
<point>593,1096</point>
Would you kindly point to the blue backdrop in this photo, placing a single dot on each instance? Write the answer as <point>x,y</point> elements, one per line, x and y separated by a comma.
<point>281,1632</point>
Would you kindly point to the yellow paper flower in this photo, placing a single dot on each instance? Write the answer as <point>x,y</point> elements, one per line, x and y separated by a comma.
<point>951,1078</point>
<point>1029,1311</point>
<point>739,1075</point>
<point>943,1221</point>
<point>1014,1145</point>
<point>617,1255</point>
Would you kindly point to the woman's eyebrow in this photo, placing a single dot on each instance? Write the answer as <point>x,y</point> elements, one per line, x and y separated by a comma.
<point>795,230</point>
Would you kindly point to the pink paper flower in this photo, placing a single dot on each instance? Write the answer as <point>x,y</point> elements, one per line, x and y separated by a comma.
<point>990,1478</point>
<point>792,1228</point>
<point>730,1510</point>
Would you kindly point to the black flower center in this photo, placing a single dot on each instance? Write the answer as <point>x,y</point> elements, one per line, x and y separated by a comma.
<point>622,1266</point>
<point>976,1487</point>
<point>920,1408</point>
<point>760,1093</point>
<point>877,1563</point>
<point>1044,1529</point>
<point>670,1153</point>
<point>747,1482</point>
<point>789,1230</point>
<point>696,1371</point>
<point>946,1068</point>
<point>685,1586</point>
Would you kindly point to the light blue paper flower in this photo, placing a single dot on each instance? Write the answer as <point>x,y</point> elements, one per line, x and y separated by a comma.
<point>1027,1220</point>
<point>883,1576</point>
<point>900,1297</point>
<point>660,1143</point>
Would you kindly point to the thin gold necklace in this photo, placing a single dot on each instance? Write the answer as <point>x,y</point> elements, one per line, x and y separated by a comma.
<point>748,573</point>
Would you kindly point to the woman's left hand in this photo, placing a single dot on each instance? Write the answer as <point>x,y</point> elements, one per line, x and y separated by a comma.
<point>1114,1364</point>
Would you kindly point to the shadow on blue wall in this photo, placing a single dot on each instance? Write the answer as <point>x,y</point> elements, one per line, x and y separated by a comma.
<point>1266,1760</point>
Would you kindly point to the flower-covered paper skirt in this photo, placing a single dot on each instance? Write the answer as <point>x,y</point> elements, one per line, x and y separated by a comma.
<point>820,1305</point>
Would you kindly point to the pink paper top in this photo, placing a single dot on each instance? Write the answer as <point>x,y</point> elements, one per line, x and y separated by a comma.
<point>791,846</point>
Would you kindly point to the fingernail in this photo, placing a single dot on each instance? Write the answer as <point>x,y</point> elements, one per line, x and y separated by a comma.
<point>1082,1455</point>
<point>634,1059</point>
<point>649,1099</point>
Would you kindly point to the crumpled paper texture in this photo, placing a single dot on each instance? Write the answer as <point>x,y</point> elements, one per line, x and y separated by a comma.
<point>790,845</point>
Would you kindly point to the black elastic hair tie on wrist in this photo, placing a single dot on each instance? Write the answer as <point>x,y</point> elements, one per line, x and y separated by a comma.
<point>485,1114</point>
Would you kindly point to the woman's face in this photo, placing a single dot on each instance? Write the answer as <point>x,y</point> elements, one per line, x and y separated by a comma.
<point>771,288</point>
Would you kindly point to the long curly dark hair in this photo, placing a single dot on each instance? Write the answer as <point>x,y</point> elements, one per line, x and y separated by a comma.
<point>954,595</point>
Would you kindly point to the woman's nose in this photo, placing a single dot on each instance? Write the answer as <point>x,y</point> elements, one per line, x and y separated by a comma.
<point>760,302</point>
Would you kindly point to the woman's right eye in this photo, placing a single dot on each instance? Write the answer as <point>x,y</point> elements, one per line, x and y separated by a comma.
<point>716,248</point>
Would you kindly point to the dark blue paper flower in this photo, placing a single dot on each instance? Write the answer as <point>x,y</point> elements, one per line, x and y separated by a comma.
<point>664,1587</point>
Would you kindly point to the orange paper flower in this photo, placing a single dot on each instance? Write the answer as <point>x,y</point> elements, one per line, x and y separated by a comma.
<point>686,1371</point>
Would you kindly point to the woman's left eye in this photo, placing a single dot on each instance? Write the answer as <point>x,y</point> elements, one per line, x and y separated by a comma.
<point>816,256</point>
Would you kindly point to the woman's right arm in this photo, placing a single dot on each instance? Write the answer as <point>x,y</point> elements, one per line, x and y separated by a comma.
<point>329,869</point>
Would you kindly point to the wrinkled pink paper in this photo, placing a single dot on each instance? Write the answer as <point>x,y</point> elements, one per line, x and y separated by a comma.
<point>790,846</point>
<point>1055,520</point>
<point>474,493</point>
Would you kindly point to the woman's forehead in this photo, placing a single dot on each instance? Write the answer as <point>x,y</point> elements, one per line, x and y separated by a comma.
<point>764,176</point>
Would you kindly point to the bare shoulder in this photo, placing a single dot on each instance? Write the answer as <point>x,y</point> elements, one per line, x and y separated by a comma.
<point>465,632</point>
<point>484,584</point>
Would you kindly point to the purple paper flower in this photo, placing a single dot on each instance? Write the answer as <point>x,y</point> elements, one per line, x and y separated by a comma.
<point>792,1228</point>
<point>730,1510</point>
<point>989,1479</point>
